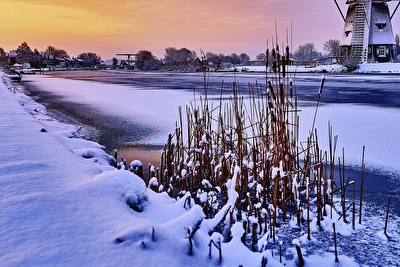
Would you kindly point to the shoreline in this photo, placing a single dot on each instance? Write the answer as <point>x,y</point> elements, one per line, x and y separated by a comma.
<point>97,126</point>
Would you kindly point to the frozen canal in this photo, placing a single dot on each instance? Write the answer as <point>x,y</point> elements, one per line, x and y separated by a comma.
<point>135,112</point>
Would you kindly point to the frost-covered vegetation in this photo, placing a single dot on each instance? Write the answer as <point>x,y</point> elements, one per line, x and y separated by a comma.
<point>241,160</point>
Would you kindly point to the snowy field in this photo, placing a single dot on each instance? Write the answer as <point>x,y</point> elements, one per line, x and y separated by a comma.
<point>62,204</point>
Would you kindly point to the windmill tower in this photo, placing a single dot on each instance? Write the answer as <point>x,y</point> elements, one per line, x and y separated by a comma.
<point>368,35</point>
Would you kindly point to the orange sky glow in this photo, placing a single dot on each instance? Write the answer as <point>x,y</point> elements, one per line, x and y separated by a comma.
<point>107,27</point>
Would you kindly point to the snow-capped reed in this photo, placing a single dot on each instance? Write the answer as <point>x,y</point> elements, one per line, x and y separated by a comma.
<point>242,160</point>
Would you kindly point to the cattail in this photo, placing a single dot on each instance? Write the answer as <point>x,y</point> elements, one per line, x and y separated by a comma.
<point>287,56</point>
<point>278,59</point>
<point>274,66</point>
<point>321,85</point>
<point>282,92</point>
<point>271,89</point>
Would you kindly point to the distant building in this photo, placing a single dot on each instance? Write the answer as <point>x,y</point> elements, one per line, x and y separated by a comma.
<point>368,34</point>
<point>12,57</point>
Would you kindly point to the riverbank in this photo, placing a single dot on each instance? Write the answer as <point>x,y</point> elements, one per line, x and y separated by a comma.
<point>97,124</point>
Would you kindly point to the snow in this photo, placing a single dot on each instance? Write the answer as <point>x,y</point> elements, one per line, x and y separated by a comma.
<point>334,68</point>
<point>63,204</point>
<point>378,68</point>
<point>373,127</point>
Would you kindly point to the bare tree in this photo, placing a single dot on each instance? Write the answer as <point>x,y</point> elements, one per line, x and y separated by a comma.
<point>244,58</point>
<point>24,53</point>
<point>55,52</point>
<point>307,52</point>
<point>2,52</point>
<point>145,60</point>
<point>3,56</point>
<point>170,55</point>
<point>91,59</point>
<point>261,57</point>
<point>332,47</point>
<point>182,56</point>
<point>235,59</point>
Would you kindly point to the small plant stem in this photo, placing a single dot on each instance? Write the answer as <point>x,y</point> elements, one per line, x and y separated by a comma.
<point>362,184</point>
<point>335,242</point>
<point>387,216</point>
<point>300,256</point>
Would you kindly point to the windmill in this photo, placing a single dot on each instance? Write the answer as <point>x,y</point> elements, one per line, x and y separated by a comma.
<point>368,35</point>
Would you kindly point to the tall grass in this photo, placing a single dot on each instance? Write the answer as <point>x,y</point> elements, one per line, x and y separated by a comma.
<point>250,143</point>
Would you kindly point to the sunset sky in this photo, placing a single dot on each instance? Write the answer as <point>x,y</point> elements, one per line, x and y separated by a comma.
<point>107,27</point>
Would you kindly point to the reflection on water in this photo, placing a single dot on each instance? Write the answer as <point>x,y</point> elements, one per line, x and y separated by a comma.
<point>378,187</point>
<point>146,154</point>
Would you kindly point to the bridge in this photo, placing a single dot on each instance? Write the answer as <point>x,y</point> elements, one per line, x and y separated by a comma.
<point>129,55</point>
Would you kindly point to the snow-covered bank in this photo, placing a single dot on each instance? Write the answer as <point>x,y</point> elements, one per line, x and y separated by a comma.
<point>334,68</point>
<point>61,202</point>
<point>378,68</point>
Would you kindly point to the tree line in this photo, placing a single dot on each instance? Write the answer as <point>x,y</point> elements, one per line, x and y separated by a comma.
<point>174,59</point>
<point>36,59</point>
<point>184,59</point>
<point>177,59</point>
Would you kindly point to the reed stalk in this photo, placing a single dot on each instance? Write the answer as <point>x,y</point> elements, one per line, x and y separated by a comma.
<point>387,216</point>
